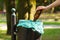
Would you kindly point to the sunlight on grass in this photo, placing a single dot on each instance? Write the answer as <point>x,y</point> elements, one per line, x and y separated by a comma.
<point>3,26</point>
<point>51,23</point>
<point>1,39</point>
<point>4,36</point>
<point>51,34</point>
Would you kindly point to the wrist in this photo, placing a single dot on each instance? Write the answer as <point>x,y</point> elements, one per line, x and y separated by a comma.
<point>48,7</point>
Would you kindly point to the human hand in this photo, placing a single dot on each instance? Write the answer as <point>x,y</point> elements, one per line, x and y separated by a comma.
<point>41,8</point>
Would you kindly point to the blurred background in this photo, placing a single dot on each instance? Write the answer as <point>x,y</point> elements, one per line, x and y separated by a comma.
<point>50,18</point>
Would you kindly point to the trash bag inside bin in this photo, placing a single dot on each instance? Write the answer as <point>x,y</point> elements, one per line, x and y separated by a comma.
<point>36,26</point>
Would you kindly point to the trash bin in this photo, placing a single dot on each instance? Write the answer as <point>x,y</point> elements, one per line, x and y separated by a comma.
<point>29,30</point>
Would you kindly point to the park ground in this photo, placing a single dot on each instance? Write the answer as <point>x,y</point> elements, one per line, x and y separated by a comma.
<point>51,29</point>
<point>49,34</point>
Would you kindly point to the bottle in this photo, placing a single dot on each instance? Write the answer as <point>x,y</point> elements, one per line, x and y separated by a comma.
<point>37,14</point>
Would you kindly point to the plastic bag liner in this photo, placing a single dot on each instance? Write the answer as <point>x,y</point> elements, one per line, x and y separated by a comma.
<point>35,25</point>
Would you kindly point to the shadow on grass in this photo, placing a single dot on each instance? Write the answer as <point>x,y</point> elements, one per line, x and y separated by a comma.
<point>4,36</point>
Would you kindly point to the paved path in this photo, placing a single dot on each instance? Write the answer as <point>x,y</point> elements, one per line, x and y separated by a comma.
<point>51,26</point>
<point>3,26</point>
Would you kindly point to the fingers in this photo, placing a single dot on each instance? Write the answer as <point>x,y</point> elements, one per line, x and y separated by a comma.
<point>40,8</point>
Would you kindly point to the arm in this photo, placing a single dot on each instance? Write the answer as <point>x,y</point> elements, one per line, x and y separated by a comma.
<point>54,4</point>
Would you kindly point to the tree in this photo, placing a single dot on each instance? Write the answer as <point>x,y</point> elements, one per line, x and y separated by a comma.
<point>1,5</point>
<point>22,7</point>
<point>9,4</point>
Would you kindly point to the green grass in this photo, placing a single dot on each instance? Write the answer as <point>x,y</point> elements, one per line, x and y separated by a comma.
<point>51,23</point>
<point>4,36</point>
<point>2,18</point>
<point>2,21</point>
<point>45,23</point>
<point>51,34</point>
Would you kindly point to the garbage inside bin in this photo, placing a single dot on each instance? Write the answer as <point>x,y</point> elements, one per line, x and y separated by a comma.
<point>35,25</point>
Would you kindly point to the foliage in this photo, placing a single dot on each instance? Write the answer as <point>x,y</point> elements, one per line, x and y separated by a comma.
<point>1,4</point>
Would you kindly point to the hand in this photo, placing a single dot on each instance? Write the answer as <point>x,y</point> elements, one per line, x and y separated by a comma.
<point>41,8</point>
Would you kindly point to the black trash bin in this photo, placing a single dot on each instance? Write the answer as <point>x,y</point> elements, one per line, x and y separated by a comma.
<point>28,33</point>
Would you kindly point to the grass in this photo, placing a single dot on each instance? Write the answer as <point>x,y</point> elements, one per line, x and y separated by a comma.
<point>45,23</point>
<point>4,36</point>
<point>2,18</point>
<point>2,21</point>
<point>50,34</point>
<point>51,23</point>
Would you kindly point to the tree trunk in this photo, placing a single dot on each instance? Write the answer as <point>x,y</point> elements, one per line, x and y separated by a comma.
<point>9,4</point>
<point>8,15</point>
<point>22,10</point>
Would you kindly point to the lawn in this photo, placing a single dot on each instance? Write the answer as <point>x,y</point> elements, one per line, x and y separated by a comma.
<point>50,34</point>
<point>4,36</point>
<point>51,23</point>
<point>2,18</point>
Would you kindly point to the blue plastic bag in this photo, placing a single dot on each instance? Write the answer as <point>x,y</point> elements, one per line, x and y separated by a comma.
<point>35,25</point>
